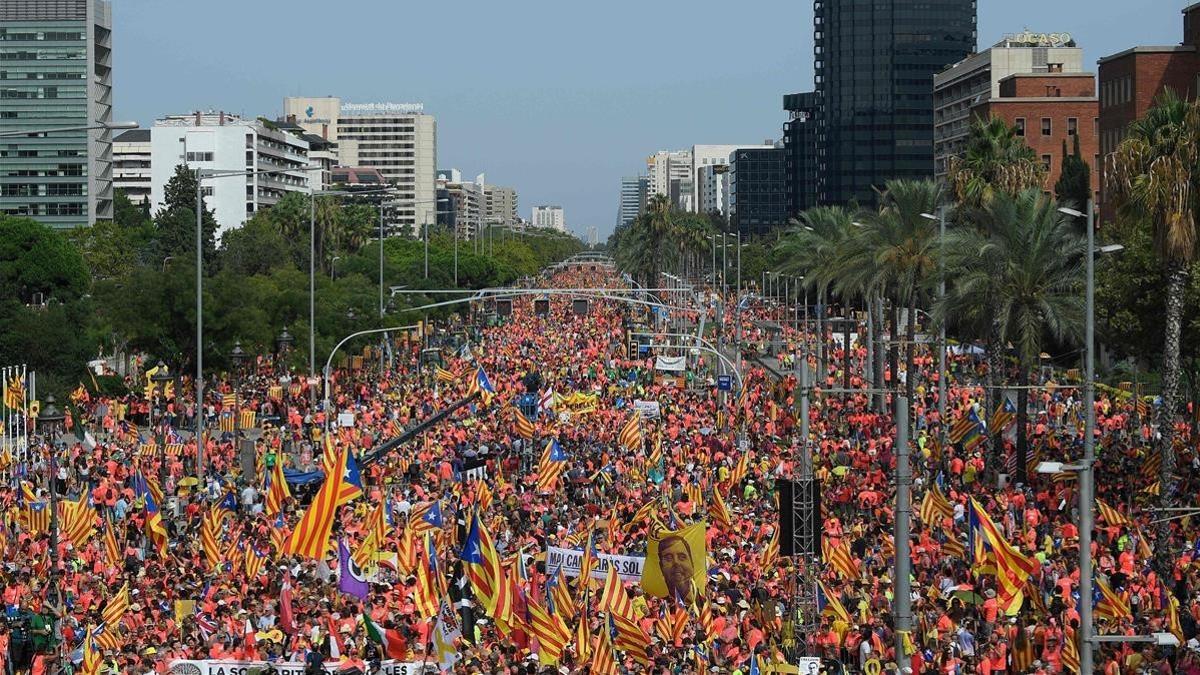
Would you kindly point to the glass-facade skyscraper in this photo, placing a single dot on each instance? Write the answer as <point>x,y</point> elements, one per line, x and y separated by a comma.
<point>874,62</point>
<point>56,71</point>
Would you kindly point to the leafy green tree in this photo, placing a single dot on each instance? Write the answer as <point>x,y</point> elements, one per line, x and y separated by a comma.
<point>36,260</point>
<point>175,223</point>
<point>1022,267</point>
<point>256,247</point>
<point>1156,176</point>
<point>1074,185</point>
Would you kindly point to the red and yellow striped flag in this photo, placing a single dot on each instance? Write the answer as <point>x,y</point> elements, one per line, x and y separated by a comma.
<point>311,536</point>
<point>1111,515</point>
<point>630,437</point>
<point>522,426</point>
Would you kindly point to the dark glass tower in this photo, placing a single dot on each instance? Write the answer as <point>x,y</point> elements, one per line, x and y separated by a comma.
<point>874,64</point>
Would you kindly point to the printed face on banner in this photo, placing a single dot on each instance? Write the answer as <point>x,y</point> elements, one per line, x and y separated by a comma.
<point>675,564</point>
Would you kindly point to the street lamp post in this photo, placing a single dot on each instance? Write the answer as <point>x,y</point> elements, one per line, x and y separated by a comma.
<point>48,421</point>
<point>83,127</point>
<point>283,343</point>
<point>941,407</point>
<point>1084,470</point>
<point>237,356</point>
<point>160,379</point>
<point>202,175</point>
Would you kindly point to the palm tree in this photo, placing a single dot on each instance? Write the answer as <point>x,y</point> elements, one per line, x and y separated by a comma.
<point>1021,267</point>
<point>1154,177</point>
<point>895,252</point>
<point>996,161</point>
<point>814,247</point>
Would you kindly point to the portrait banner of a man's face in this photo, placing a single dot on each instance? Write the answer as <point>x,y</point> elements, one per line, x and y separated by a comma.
<point>676,564</point>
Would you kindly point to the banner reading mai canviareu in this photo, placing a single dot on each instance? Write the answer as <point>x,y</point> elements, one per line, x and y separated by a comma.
<point>676,564</point>
<point>629,567</point>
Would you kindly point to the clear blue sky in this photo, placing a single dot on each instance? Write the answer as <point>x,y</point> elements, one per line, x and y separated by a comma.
<point>557,99</point>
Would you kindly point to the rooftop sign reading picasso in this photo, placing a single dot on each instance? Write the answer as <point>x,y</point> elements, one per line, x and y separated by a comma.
<point>1029,39</point>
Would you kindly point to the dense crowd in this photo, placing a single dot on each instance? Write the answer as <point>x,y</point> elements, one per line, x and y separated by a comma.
<point>256,603</point>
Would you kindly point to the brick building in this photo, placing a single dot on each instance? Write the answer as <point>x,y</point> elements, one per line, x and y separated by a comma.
<point>1130,80</point>
<point>1048,109</point>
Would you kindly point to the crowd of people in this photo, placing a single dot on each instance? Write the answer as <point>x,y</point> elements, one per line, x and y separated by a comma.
<point>704,456</point>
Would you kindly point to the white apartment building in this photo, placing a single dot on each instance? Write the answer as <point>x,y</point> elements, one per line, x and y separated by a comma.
<point>976,79</point>
<point>131,164</point>
<point>398,139</point>
<point>669,173</point>
<point>501,209</point>
<point>549,216</point>
<point>465,207</point>
<point>226,142</point>
<point>712,184</point>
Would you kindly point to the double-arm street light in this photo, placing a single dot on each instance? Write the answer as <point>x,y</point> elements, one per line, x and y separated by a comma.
<point>1084,468</point>
<point>312,254</point>
<point>201,176</point>
<point>106,126</point>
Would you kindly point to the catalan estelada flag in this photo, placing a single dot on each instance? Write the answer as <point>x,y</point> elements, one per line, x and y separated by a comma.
<point>549,629</point>
<point>429,592</point>
<point>1006,414</point>
<point>425,517</point>
<point>482,565</point>
<point>827,603</point>
<point>443,375</point>
<point>1109,605</point>
<point>156,531</point>
<point>482,385</point>
<point>351,486</point>
<point>554,462</point>
<point>310,539</point>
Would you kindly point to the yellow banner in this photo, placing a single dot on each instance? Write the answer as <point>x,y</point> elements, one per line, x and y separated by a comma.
<point>675,564</point>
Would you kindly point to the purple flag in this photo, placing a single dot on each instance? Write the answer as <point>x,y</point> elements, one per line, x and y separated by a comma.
<point>350,577</point>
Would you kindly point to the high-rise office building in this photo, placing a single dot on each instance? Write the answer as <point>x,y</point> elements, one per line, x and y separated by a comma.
<point>976,79</point>
<point>398,139</point>
<point>633,199</point>
<point>874,62</point>
<point>709,155</point>
<point>802,156</point>
<point>56,71</point>
<point>757,194</point>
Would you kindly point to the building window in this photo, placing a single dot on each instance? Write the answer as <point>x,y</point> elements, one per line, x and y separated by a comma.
<point>1046,160</point>
<point>1072,126</point>
<point>1019,125</point>
<point>1046,126</point>
<point>199,157</point>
